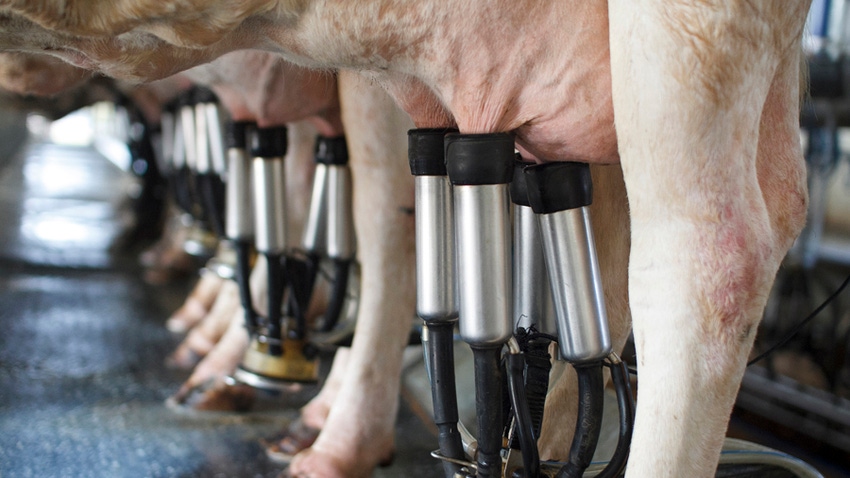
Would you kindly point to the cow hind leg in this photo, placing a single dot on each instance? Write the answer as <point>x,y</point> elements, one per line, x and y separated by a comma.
<point>705,103</point>
<point>359,431</point>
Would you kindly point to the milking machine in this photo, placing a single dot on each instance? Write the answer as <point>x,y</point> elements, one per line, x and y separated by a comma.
<point>264,364</point>
<point>553,231</point>
<point>181,138</point>
<point>535,329</point>
<point>560,195</point>
<point>149,207</point>
<point>210,162</point>
<point>174,153</point>
<point>480,168</point>
<point>185,157</point>
<point>210,178</point>
<point>281,350</point>
<point>329,231</point>
<point>239,212</point>
<point>436,300</point>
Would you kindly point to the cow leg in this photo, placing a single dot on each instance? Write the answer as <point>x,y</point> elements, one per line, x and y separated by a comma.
<point>302,433</point>
<point>206,389</point>
<point>358,433</point>
<point>197,305</point>
<point>204,336</point>
<point>315,413</point>
<point>710,224</point>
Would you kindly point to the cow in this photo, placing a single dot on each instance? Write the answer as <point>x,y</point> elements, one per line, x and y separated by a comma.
<point>697,100</point>
<point>40,75</point>
<point>262,87</point>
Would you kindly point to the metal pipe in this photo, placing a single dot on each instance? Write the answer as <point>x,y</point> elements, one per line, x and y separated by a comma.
<point>315,228</point>
<point>435,251</point>
<point>268,148</point>
<point>483,249</point>
<point>560,194</point>
<point>340,228</point>
<point>239,217</point>
<point>217,153</point>
<point>187,126</point>
<point>202,140</point>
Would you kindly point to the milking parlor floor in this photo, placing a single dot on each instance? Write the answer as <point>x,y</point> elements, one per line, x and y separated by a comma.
<point>83,342</point>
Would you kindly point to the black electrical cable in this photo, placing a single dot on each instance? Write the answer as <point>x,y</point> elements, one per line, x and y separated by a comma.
<point>276,283</point>
<point>793,331</point>
<point>802,324</point>
<point>243,275</point>
<point>211,192</point>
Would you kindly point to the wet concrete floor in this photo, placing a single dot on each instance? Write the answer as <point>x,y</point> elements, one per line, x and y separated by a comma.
<point>82,344</point>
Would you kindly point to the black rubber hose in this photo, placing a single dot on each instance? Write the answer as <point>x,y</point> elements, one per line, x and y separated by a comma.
<point>626,406</point>
<point>338,294</point>
<point>275,302</point>
<point>211,192</point>
<point>243,279</point>
<point>301,279</point>
<point>444,392</point>
<point>149,207</point>
<point>524,424</point>
<point>488,406</point>
<point>182,187</point>
<point>588,421</point>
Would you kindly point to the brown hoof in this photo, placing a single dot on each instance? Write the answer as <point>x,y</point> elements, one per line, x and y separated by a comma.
<point>296,437</point>
<point>214,396</point>
<point>183,359</point>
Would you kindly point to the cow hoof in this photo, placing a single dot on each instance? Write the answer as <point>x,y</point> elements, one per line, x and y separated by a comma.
<point>167,275</point>
<point>186,317</point>
<point>296,437</point>
<point>213,396</point>
<point>183,359</point>
<point>315,463</point>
